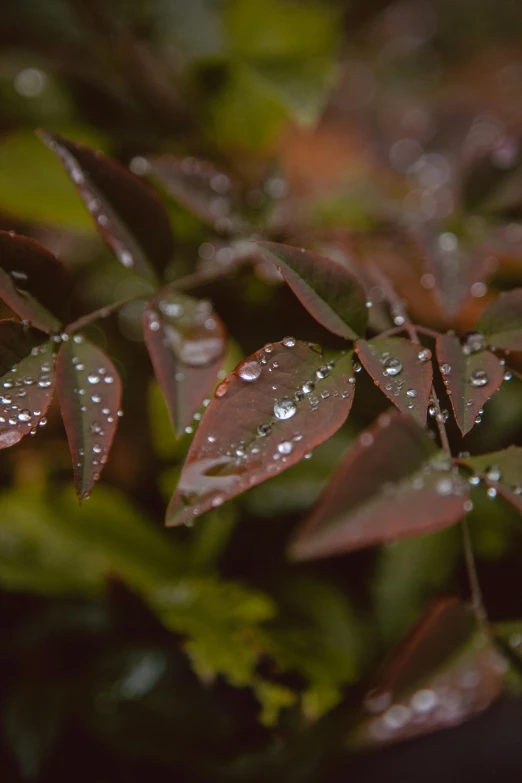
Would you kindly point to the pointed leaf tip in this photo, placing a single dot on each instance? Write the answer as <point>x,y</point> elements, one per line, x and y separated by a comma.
<point>324,287</point>
<point>126,211</point>
<point>269,413</point>
<point>89,392</point>
<point>186,342</point>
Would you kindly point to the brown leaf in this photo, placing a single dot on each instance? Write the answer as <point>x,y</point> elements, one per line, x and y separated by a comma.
<point>470,378</point>
<point>445,672</point>
<point>89,392</point>
<point>269,413</point>
<point>186,343</point>
<point>402,370</point>
<point>393,483</point>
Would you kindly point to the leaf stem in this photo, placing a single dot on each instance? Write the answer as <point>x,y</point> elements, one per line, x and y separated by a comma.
<point>400,312</point>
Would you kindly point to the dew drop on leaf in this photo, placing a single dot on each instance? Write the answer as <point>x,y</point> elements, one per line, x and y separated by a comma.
<point>424,355</point>
<point>250,370</point>
<point>479,378</point>
<point>284,408</point>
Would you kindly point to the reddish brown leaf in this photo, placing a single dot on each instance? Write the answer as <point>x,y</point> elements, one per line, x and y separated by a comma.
<point>445,672</point>
<point>275,407</point>
<point>402,370</point>
<point>186,342</point>
<point>26,381</point>
<point>200,187</point>
<point>470,378</point>
<point>126,211</point>
<point>501,322</point>
<point>89,392</point>
<point>502,471</point>
<point>393,483</point>
<point>33,283</point>
<point>325,287</point>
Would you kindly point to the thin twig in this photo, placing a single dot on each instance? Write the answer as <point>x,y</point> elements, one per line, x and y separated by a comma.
<point>412,330</point>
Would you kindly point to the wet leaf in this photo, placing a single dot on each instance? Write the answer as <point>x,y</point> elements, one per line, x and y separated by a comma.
<point>186,342</point>
<point>33,282</point>
<point>269,413</point>
<point>393,483</point>
<point>26,381</point>
<point>325,287</point>
<point>445,672</point>
<point>502,471</point>
<point>127,212</point>
<point>402,370</point>
<point>89,392</point>
<point>470,378</point>
<point>501,322</point>
<point>199,186</point>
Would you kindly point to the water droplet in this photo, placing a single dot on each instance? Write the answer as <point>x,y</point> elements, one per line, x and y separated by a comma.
<point>264,429</point>
<point>24,415</point>
<point>479,378</point>
<point>474,480</point>
<point>357,367</point>
<point>221,390</point>
<point>289,342</point>
<point>42,422</point>
<point>108,379</point>
<point>250,370</point>
<point>284,408</point>
<point>322,372</point>
<point>445,369</point>
<point>423,701</point>
<point>97,448</point>
<point>308,387</point>
<point>392,366</point>
<point>442,417</point>
<point>508,375</point>
<point>492,492</point>
<point>474,342</point>
<point>44,383</point>
<point>424,355</point>
<point>285,447</point>
<point>494,473</point>
<point>93,378</point>
<point>96,398</point>
<point>411,393</point>
<point>396,716</point>
<point>432,409</point>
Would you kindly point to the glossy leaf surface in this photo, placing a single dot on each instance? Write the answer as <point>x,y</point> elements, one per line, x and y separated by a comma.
<point>402,370</point>
<point>200,187</point>
<point>445,672</point>
<point>501,322</point>
<point>33,283</point>
<point>26,381</point>
<point>186,343</point>
<point>502,470</point>
<point>126,211</point>
<point>324,287</point>
<point>89,391</point>
<point>393,483</point>
<point>470,378</point>
<point>270,412</point>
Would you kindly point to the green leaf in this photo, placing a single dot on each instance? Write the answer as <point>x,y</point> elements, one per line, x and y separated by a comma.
<point>501,321</point>
<point>470,379</point>
<point>324,287</point>
<point>392,484</point>
<point>402,370</point>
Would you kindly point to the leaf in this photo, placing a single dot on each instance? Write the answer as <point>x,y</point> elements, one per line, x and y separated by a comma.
<point>89,392</point>
<point>470,379</point>
<point>402,370</point>
<point>199,186</point>
<point>26,381</point>
<point>324,287</point>
<point>270,412</point>
<point>501,322</point>
<point>33,283</point>
<point>445,672</point>
<point>186,343</point>
<point>393,483</point>
<point>127,212</point>
<point>502,471</point>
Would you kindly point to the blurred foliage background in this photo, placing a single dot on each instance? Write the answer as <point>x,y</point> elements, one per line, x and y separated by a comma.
<point>129,652</point>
